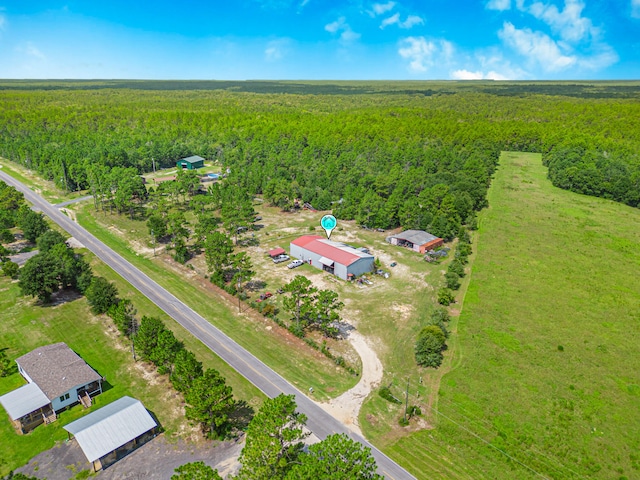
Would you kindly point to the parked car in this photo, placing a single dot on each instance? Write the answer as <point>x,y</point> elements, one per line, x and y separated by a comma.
<point>264,296</point>
<point>295,263</point>
<point>280,258</point>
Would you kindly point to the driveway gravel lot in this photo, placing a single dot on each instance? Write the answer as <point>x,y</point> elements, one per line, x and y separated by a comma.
<point>157,459</point>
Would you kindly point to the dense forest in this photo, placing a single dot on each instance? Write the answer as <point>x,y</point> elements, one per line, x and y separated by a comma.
<point>411,154</point>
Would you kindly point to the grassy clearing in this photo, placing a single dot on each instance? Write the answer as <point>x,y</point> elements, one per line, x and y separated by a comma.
<point>547,369</point>
<point>304,368</point>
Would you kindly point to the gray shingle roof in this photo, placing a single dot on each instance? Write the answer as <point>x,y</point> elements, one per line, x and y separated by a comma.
<point>56,369</point>
<point>110,427</point>
<point>417,237</point>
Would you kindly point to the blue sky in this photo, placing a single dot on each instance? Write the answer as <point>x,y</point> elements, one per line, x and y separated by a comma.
<point>321,39</point>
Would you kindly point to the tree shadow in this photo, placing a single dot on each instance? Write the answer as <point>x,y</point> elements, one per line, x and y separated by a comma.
<point>12,367</point>
<point>255,285</point>
<point>66,295</point>
<point>241,415</point>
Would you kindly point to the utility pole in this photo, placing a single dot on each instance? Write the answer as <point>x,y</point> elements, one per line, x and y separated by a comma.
<point>154,243</point>
<point>406,405</point>
<point>154,164</point>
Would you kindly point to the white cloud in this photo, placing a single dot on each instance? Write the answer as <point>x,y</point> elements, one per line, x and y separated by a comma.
<point>568,23</point>
<point>380,8</point>
<point>341,26</point>
<point>3,21</point>
<point>276,50</point>
<point>635,8</point>
<point>500,5</point>
<point>479,75</point>
<point>411,21</point>
<point>423,54</point>
<point>537,47</point>
<point>30,50</point>
<point>395,18</point>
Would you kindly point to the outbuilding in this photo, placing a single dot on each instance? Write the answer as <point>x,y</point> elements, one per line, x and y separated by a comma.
<point>113,431</point>
<point>340,259</point>
<point>57,378</point>
<point>190,163</point>
<point>417,240</point>
<point>276,251</point>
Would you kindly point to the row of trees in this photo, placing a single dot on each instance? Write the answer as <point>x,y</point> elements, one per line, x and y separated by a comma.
<point>432,338</point>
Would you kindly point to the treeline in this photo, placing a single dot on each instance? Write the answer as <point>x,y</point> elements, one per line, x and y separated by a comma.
<point>385,160</point>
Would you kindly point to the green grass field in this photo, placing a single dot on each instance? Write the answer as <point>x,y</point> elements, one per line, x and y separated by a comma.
<point>547,370</point>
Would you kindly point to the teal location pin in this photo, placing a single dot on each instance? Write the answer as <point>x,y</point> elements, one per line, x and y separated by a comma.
<point>328,222</point>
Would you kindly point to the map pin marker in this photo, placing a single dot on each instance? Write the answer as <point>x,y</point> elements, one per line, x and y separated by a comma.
<point>328,222</point>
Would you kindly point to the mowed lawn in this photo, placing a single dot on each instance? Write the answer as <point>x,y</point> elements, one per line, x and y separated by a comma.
<point>547,379</point>
<point>25,325</point>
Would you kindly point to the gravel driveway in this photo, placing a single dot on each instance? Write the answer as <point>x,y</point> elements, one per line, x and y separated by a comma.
<point>157,459</point>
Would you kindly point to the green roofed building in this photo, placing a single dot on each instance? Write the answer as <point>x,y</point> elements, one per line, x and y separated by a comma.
<point>190,163</point>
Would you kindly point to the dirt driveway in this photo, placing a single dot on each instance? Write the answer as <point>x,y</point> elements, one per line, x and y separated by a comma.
<point>156,459</point>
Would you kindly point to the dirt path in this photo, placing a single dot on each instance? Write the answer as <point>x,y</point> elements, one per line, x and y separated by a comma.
<point>346,407</point>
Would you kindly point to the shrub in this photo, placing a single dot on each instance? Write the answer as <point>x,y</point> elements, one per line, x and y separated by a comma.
<point>446,297</point>
<point>429,347</point>
<point>385,392</point>
<point>456,267</point>
<point>452,280</point>
<point>10,269</point>
<point>440,314</point>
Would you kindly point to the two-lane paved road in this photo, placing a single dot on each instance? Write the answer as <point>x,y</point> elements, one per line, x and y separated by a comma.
<point>319,422</point>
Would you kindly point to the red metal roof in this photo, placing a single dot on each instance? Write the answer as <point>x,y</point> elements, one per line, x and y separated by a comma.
<point>276,251</point>
<point>323,247</point>
<point>305,239</point>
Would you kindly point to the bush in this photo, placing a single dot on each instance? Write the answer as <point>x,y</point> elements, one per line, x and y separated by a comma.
<point>6,236</point>
<point>440,314</point>
<point>446,297</point>
<point>10,269</point>
<point>429,347</point>
<point>101,295</point>
<point>456,267</point>
<point>385,393</point>
<point>452,280</point>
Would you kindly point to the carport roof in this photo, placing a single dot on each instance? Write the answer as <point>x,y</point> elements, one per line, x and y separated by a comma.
<point>24,400</point>
<point>110,427</point>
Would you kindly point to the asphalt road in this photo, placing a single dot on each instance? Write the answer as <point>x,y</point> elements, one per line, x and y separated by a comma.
<point>319,422</point>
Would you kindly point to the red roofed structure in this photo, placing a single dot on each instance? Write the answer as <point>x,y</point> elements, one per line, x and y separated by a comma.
<point>276,251</point>
<point>334,257</point>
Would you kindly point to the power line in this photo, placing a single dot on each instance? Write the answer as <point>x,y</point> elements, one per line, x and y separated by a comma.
<point>491,445</point>
<point>479,421</point>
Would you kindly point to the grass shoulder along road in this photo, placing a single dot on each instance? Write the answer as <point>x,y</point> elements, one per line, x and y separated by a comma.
<point>287,355</point>
<point>547,384</point>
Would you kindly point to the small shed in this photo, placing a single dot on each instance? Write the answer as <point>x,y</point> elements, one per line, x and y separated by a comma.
<point>190,163</point>
<point>113,431</point>
<point>277,251</point>
<point>417,240</point>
